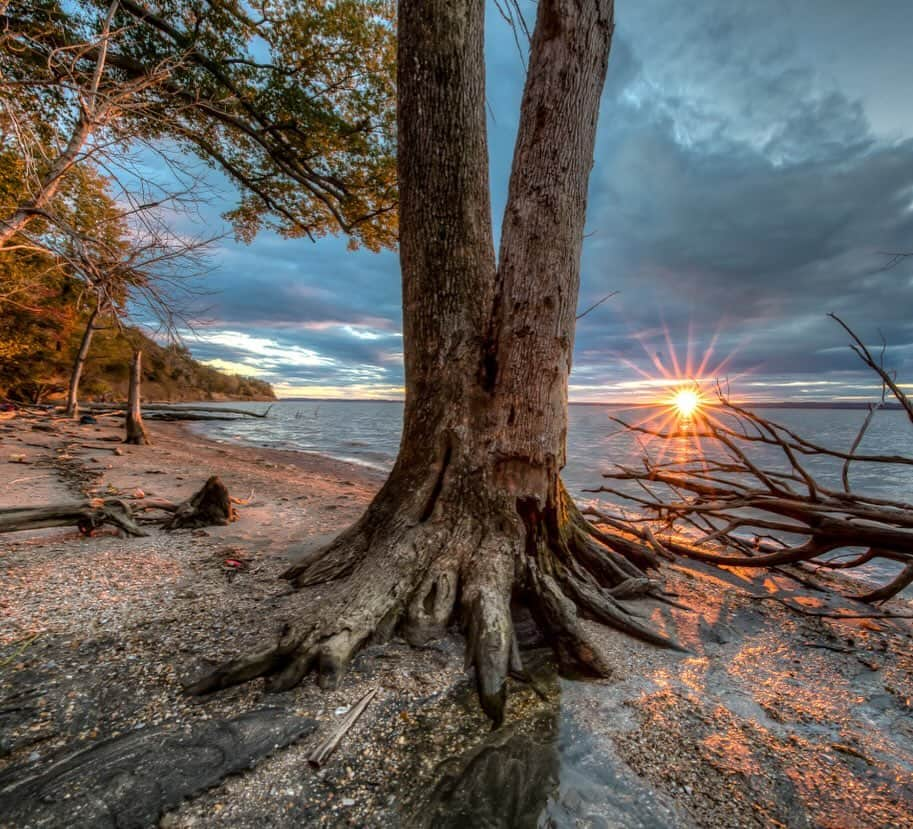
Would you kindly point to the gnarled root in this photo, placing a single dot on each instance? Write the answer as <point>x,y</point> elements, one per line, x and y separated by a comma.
<point>416,576</point>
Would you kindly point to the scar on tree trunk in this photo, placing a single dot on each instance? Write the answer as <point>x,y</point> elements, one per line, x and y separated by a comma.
<point>136,430</point>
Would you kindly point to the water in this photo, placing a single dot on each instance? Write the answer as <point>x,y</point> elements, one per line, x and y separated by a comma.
<point>367,433</point>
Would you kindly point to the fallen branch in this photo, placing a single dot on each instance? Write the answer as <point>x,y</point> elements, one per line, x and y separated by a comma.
<point>322,752</point>
<point>724,506</point>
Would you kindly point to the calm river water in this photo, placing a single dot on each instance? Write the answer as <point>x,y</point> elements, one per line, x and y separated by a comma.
<point>368,432</point>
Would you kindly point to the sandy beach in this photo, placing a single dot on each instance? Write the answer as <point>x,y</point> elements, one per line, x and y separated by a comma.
<point>773,717</point>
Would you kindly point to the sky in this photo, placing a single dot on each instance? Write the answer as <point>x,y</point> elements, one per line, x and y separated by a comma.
<point>754,163</point>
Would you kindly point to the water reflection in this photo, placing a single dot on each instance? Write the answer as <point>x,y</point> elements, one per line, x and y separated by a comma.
<point>548,769</point>
<point>504,783</point>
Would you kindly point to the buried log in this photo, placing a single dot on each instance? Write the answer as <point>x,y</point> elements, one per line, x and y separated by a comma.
<point>210,506</point>
<point>88,516</point>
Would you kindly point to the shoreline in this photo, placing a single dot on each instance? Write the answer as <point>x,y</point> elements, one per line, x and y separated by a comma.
<point>771,716</point>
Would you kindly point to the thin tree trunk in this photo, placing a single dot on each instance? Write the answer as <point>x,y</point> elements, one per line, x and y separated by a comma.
<point>474,515</point>
<point>136,430</point>
<point>79,364</point>
<point>541,237</point>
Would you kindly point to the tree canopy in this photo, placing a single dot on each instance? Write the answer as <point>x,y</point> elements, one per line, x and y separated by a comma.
<point>292,100</point>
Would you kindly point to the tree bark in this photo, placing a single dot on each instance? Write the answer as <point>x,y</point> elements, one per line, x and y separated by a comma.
<point>79,363</point>
<point>474,515</point>
<point>136,431</point>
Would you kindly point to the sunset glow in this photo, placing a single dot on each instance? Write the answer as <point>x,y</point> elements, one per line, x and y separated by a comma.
<point>686,402</point>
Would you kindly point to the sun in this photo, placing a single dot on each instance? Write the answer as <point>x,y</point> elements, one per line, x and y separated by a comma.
<point>686,402</point>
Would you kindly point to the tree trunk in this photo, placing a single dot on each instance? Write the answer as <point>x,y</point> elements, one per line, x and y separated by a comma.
<point>79,363</point>
<point>136,431</point>
<point>474,516</point>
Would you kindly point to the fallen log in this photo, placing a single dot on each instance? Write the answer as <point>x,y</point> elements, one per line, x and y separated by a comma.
<point>168,417</point>
<point>88,516</point>
<point>183,407</point>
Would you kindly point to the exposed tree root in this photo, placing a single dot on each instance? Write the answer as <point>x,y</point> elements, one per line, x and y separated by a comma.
<point>415,577</point>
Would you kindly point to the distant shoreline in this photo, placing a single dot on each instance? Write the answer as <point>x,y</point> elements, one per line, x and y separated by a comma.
<point>784,404</point>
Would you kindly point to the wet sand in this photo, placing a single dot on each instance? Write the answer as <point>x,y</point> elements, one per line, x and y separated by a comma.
<point>772,718</point>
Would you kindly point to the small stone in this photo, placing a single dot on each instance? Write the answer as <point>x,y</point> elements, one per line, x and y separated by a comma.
<point>347,801</point>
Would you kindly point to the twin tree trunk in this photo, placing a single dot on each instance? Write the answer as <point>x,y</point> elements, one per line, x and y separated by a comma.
<point>474,518</point>
<point>136,430</point>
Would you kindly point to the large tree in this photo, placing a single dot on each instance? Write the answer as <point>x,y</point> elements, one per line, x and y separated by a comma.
<point>474,515</point>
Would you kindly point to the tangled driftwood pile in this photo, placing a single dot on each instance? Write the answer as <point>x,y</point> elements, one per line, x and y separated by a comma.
<point>211,505</point>
<point>725,506</point>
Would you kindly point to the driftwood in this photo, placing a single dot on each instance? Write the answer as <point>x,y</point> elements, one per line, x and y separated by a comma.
<point>211,505</point>
<point>178,409</point>
<point>727,507</point>
<point>88,516</point>
<point>322,752</point>
<point>132,779</point>
<point>169,417</point>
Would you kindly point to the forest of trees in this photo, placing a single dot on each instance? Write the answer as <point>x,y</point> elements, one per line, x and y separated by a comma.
<point>37,351</point>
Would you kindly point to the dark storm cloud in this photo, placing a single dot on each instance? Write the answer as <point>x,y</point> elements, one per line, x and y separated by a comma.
<point>737,195</point>
<point>750,168</point>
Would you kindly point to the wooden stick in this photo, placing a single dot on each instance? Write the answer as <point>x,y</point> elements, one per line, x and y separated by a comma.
<point>322,752</point>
